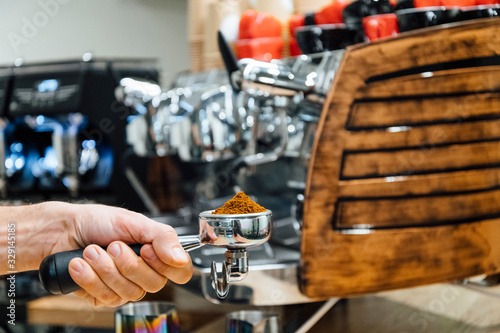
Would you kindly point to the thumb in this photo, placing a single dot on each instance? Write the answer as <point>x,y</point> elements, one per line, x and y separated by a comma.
<point>163,238</point>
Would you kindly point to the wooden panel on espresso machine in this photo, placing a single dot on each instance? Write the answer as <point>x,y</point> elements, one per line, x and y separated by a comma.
<point>404,182</point>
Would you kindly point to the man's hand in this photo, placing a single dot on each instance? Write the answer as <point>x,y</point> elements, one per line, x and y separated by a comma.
<point>111,277</point>
<point>118,275</point>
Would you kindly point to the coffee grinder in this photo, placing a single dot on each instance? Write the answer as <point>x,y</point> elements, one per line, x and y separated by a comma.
<point>68,131</point>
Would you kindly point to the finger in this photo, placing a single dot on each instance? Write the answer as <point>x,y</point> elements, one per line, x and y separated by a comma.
<point>87,297</point>
<point>85,277</point>
<point>105,268</point>
<point>162,236</point>
<point>135,269</point>
<point>179,275</point>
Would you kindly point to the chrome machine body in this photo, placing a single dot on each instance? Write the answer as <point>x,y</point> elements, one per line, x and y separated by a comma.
<point>250,130</point>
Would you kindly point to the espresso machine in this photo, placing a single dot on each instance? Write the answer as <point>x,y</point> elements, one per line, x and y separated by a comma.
<point>83,127</point>
<point>62,137</point>
<point>249,128</point>
<point>62,131</point>
<point>5,83</point>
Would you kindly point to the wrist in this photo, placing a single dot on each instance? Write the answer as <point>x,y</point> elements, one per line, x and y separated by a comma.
<point>37,230</point>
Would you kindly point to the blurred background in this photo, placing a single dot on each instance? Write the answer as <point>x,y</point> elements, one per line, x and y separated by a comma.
<point>141,104</point>
<point>60,30</point>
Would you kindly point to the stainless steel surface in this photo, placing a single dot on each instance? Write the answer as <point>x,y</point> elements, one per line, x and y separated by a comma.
<point>146,309</point>
<point>211,122</point>
<point>271,281</point>
<point>273,83</point>
<point>253,322</point>
<point>234,232</point>
<point>197,124</point>
<point>320,67</point>
<point>190,242</point>
<point>141,317</point>
<point>272,79</point>
<point>136,93</point>
<point>237,264</point>
<point>211,131</point>
<point>257,158</point>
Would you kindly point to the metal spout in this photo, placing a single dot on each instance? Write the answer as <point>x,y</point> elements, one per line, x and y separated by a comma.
<point>221,285</point>
<point>235,268</point>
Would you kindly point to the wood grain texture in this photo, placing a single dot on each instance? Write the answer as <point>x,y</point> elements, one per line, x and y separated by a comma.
<point>446,182</point>
<point>420,159</point>
<point>453,81</point>
<point>425,137</point>
<point>429,110</point>
<point>354,264</point>
<point>448,208</point>
<point>455,42</point>
<point>440,166</point>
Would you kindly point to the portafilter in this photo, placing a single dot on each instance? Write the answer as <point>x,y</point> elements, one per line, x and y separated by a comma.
<point>235,232</point>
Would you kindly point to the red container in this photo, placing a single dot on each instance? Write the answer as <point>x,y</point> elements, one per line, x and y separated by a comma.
<point>259,37</point>
<point>426,3</point>
<point>294,22</point>
<point>257,25</point>
<point>264,49</point>
<point>487,2</point>
<point>458,3</point>
<point>380,26</point>
<point>453,3</point>
<point>331,13</point>
<point>294,47</point>
<point>246,21</point>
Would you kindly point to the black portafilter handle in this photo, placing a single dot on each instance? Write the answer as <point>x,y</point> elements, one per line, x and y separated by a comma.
<point>54,274</point>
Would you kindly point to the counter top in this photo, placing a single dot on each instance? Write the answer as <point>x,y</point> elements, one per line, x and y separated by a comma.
<point>433,308</point>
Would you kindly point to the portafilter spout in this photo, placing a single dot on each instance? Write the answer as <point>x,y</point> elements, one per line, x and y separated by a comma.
<point>235,232</point>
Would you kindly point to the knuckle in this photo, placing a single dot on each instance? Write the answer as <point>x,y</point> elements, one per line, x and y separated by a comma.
<point>185,276</point>
<point>87,280</point>
<point>118,302</point>
<point>129,267</point>
<point>184,279</point>
<point>138,293</point>
<point>106,270</point>
<point>162,269</point>
<point>157,285</point>
<point>168,228</point>
<point>169,233</point>
<point>110,299</point>
<point>122,302</point>
<point>111,304</point>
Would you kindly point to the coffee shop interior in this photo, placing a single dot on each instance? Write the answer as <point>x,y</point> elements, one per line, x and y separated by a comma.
<point>364,133</point>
